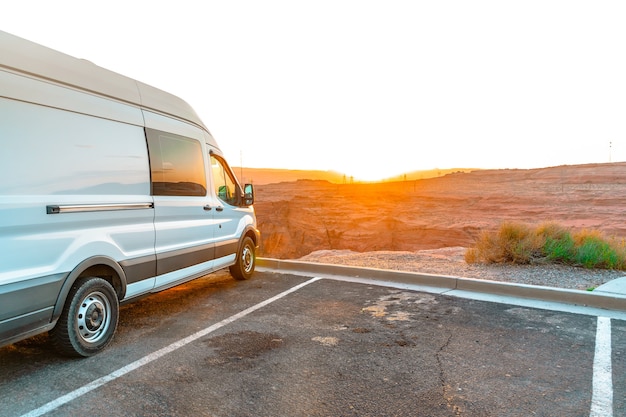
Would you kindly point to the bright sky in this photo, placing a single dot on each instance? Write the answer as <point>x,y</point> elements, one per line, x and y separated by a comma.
<point>370,89</point>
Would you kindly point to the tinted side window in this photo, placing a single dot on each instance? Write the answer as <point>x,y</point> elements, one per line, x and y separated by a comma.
<point>225,184</point>
<point>176,164</point>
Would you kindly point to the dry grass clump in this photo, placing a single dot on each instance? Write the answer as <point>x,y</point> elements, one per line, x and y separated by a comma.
<point>519,243</point>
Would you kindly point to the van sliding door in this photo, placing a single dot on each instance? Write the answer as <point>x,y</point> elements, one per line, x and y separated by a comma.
<point>183,217</point>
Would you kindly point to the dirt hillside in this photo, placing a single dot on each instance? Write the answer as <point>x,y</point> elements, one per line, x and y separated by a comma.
<point>299,217</point>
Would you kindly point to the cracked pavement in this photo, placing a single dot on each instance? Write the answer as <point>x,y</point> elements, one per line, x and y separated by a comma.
<point>330,348</point>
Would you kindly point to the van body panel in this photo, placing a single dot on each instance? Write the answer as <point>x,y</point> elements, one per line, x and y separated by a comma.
<point>139,269</point>
<point>138,288</point>
<point>91,145</point>
<point>35,244</point>
<point>179,276</point>
<point>183,228</point>
<point>167,104</point>
<point>27,305</point>
<point>24,88</point>
<point>234,221</point>
<point>166,124</point>
<point>23,297</point>
<point>226,247</point>
<point>104,178</point>
<point>224,261</point>
<point>183,258</point>
<point>31,59</point>
<point>21,327</point>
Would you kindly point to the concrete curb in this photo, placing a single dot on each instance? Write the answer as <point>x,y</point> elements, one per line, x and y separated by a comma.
<point>606,301</point>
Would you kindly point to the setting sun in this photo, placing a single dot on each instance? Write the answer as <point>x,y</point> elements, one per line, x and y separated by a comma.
<point>376,173</point>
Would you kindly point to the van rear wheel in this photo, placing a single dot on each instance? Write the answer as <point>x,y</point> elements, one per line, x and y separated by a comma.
<point>246,260</point>
<point>88,320</point>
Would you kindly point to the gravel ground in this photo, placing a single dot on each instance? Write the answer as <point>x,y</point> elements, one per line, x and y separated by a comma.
<point>451,262</point>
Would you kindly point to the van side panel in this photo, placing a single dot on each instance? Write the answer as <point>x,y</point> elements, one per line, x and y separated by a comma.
<point>48,151</point>
<point>30,90</point>
<point>73,186</point>
<point>40,293</point>
<point>28,304</point>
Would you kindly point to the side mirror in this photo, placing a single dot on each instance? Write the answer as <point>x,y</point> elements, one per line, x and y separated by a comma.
<point>248,195</point>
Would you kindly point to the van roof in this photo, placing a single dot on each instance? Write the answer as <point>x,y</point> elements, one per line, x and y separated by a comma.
<point>29,58</point>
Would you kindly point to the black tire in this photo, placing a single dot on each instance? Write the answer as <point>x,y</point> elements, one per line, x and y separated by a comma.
<point>89,318</point>
<point>246,260</point>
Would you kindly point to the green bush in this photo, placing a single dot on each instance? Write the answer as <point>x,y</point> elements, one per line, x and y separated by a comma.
<point>559,250</point>
<point>518,243</point>
<point>593,251</point>
<point>558,242</point>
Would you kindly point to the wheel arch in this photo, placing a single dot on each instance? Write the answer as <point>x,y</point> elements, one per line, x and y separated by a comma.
<point>253,233</point>
<point>97,266</point>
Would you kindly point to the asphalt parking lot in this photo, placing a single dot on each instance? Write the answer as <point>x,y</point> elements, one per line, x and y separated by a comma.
<point>290,345</point>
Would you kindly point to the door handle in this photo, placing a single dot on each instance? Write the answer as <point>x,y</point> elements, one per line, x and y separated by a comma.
<point>219,208</point>
<point>207,208</point>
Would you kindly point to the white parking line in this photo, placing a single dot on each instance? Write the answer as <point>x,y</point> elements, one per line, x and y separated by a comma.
<point>52,405</point>
<point>602,397</point>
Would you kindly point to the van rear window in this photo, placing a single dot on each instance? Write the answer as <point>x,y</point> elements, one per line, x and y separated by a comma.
<point>176,165</point>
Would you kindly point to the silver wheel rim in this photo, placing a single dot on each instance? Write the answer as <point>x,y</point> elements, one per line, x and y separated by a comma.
<point>93,317</point>
<point>247,259</point>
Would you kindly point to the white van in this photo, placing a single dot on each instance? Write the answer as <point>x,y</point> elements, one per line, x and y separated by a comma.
<point>110,189</point>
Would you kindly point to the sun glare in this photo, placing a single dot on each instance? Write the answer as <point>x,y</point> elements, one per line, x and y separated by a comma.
<point>372,174</point>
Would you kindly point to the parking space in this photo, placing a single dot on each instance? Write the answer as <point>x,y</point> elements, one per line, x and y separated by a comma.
<point>618,331</point>
<point>283,345</point>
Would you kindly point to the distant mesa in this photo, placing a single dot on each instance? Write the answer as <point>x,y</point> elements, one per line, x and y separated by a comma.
<point>263,176</point>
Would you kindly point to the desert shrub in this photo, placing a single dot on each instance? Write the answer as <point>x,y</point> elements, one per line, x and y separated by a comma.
<point>549,242</point>
<point>558,243</point>
<point>471,256</point>
<point>486,249</point>
<point>559,250</point>
<point>511,243</point>
<point>521,244</point>
<point>593,250</point>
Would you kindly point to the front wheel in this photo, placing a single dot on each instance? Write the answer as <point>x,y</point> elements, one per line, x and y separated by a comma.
<point>246,260</point>
<point>88,320</point>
